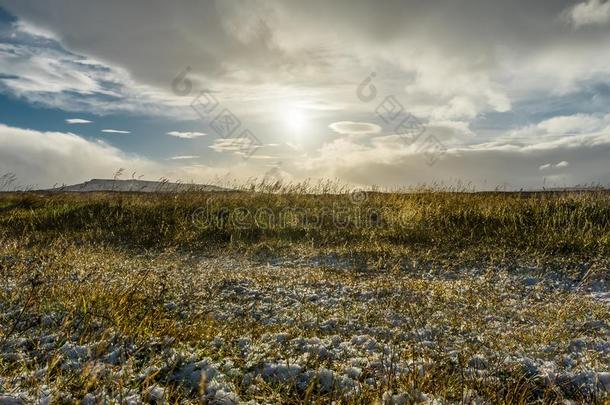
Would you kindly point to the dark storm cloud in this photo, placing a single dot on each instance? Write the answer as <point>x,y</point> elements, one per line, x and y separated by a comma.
<point>154,39</point>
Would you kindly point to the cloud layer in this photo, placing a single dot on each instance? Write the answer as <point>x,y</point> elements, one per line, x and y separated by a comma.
<point>590,12</point>
<point>453,62</point>
<point>515,92</point>
<point>513,161</point>
<point>43,158</point>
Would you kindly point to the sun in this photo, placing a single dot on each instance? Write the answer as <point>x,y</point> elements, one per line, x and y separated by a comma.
<point>295,119</point>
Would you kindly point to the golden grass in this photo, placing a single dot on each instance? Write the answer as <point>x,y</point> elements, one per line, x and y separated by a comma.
<point>107,264</point>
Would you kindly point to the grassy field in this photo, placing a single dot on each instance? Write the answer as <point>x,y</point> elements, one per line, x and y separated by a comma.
<point>305,294</point>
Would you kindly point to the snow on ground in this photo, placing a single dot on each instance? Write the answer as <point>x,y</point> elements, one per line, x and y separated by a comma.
<point>318,324</point>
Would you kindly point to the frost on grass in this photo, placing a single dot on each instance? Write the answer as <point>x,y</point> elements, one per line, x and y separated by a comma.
<point>97,326</point>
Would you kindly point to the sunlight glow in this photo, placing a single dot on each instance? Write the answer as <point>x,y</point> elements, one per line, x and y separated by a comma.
<point>295,119</point>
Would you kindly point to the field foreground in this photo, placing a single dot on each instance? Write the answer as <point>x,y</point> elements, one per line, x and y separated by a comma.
<point>178,299</point>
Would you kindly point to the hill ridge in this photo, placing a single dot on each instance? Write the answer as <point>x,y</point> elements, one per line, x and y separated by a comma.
<point>132,185</point>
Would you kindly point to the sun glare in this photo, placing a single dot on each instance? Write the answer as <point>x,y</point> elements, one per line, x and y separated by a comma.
<point>295,119</point>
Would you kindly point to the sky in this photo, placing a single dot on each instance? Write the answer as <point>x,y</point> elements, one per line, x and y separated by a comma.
<point>491,94</point>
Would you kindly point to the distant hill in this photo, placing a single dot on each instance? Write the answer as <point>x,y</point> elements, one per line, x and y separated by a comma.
<point>142,186</point>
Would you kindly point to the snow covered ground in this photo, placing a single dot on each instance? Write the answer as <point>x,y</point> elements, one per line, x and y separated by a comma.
<point>321,327</point>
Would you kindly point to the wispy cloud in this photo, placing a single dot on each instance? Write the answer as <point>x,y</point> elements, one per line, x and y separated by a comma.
<point>544,166</point>
<point>235,145</point>
<point>115,131</point>
<point>77,121</point>
<point>559,165</point>
<point>563,163</point>
<point>186,135</point>
<point>186,157</point>
<point>37,67</point>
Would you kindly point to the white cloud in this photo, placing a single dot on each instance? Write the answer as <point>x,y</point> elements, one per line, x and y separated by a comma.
<point>561,129</point>
<point>590,12</point>
<point>578,123</point>
<point>450,66</point>
<point>563,163</point>
<point>559,165</point>
<point>235,145</point>
<point>115,131</point>
<point>507,162</point>
<point>444,65</point>
<point>33,30</point>
<point>46,158</point>
<point>37,68</point>
<point>185,157</point>
<point>454,91</point>
<point>545,166</point>
<point>186,135</point>
<point>77,121</point>
<point>449,132</point>
<point>354,128</point>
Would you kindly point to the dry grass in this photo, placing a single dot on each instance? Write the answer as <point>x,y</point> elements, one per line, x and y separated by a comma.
<point>576,224</point>
<point>435,279</point>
